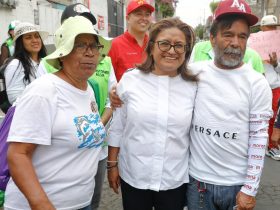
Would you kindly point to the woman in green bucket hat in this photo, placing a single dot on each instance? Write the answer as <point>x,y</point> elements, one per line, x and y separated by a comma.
<point>53,160</point>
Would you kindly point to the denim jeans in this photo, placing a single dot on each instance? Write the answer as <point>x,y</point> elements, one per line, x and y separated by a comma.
<point>203,196</point>
<point>99,180</point>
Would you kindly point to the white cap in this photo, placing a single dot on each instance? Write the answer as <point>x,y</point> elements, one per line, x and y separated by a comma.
<point>269,20</point>
<point>25,27</point>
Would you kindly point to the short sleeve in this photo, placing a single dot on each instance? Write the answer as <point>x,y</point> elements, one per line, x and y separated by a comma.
<point>34,115</point>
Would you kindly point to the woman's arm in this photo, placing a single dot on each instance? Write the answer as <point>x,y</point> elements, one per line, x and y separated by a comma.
<point>22,171</point>
<point>112,168</point>
<point>106,116</point>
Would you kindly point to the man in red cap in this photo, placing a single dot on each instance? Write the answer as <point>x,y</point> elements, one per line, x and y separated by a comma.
<point>128,48</point>
<point>230,120</point>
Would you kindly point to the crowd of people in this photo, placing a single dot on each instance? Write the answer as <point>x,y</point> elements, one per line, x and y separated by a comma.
<point>174,123</point>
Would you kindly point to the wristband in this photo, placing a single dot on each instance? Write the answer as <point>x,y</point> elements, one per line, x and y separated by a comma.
<point>110,167</point>
<point>112,161</point>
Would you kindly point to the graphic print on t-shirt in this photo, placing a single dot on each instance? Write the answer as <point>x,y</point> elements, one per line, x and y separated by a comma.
<point>90,131</point>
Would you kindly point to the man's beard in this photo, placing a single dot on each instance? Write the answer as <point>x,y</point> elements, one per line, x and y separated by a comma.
<point>229,57</point>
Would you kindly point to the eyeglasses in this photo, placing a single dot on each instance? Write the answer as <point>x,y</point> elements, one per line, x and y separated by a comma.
<point>165,46</point>
<point>83,47</point>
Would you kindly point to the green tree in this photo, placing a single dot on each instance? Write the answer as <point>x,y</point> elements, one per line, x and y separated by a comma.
<point>199,30</point>
<point>213,6</point>
<point>165,7</point>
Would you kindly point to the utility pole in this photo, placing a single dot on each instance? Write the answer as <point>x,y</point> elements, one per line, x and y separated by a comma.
<point>262,8</point>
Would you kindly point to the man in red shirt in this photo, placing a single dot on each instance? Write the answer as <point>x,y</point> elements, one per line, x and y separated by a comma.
<point>128,49</point>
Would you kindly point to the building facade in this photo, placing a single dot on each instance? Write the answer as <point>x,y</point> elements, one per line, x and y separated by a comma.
<point>46,14</point>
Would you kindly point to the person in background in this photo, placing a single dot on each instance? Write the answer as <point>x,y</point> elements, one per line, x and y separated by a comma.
<point>101,82</point>
<point>204,51</point>
<point>54,152</point>
<point>128,49</point>
<point>22,67</point>
<point>7,48</point>
<point>275,137</point>
<point>149,134</point>
<point>230,119</point>
<point>272,74</point>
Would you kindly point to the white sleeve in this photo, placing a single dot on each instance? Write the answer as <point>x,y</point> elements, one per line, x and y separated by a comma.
<point>34,115</point>
<point>117,126</point>
<point>112,78</point>
<point>14,75</point>
<point>118,122</point>
<point>260,113</point>
<point>277,68</point>
<point>112,81</point>
<point>41,69</point>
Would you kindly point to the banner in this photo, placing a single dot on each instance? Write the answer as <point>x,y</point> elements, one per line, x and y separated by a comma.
<point>100,22</point>
<point>265,43</point>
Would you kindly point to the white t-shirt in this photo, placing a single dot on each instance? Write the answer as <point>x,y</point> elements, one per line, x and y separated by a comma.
<point>111,82</point>
<point>229,128</point>
<point>65,123</point>
<point>152,130</point>
<point>14,74</point>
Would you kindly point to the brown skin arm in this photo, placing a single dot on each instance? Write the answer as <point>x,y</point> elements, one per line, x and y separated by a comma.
<point>273,60</point>
<point>4,54</point>
<point>22,171</point>
<point>245,202</point>
<point>275,137</point>
<point>113,173</point>
<point>106,115</point>
<point>114,98</point>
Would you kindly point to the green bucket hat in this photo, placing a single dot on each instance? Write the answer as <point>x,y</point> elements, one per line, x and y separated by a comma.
<point>65,38</point>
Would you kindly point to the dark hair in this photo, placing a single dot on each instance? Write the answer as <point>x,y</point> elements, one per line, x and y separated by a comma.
<point>226,22</point>
<point>24,57</point>
<point>158,27</point>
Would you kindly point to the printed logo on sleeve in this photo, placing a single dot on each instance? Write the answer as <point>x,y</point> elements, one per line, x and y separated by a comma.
<point>257,157</point>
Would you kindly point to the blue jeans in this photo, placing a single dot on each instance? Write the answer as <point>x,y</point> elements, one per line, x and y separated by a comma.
<point>203,196</point>
<point>99,180</point>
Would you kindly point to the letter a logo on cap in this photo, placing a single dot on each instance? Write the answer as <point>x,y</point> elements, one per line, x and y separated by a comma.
<point>240,6</point>
<point>140,2</point>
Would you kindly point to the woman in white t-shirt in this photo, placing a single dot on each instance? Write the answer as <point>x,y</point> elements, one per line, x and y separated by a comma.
<point>22,67</point>
<point>56,135</point>
<point>149,135</point>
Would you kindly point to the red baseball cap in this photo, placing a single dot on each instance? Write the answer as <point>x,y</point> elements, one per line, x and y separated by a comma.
<point>135,4</point>
<point>238,7</point>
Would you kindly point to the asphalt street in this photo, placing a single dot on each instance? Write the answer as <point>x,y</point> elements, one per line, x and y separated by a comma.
<point>268,197</point>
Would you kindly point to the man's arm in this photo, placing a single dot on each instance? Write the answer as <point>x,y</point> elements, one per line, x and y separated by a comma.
<point>273,60</point>
<point>260,113</point>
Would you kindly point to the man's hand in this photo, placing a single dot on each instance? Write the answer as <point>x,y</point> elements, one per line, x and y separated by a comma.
<point>273,59</point>
<point>245,202</point>
<point>114,98</point>
<point>275,137</point>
